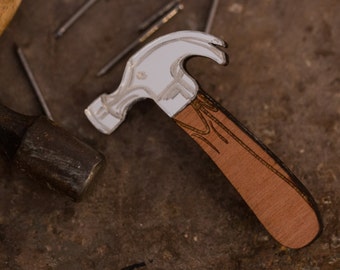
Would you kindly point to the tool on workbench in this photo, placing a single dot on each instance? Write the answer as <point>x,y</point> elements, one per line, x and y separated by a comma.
<point>33,82</point>
<point>47,152</point>
<point>7,11</point>
<point>44,150</point>
<point>79,12</point>
<point>211,16</point>
<point>275,195</point>
<point>158,14</point>
<point>165,17</point>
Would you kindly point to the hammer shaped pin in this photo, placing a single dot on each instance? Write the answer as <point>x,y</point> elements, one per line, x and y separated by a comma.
<point>275,195</point>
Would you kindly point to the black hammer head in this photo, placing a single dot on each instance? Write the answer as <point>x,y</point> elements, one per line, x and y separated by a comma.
<point>53,156</point>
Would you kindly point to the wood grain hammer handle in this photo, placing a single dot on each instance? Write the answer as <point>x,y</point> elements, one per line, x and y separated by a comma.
<point>7,11</point>
<point>274,194</point>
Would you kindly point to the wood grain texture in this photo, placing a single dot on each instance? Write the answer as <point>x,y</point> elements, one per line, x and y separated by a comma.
<point>7,11</point>
<point>274,194</point>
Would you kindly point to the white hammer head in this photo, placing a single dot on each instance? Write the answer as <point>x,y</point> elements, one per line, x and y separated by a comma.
<point>156,71</point>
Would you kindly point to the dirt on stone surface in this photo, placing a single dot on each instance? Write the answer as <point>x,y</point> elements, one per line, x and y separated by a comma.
<point>161,203</point>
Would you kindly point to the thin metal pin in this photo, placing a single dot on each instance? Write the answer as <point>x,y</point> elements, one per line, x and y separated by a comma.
<point>62,29</point>
<point>152,29</point>
<point>144,25</point>
<point>33,82</point>
<point>211,16</point>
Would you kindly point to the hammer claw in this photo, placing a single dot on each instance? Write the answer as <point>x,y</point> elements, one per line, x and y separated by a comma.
<point>157,71</point>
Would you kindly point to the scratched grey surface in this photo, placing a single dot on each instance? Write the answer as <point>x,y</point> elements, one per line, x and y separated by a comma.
<point>161,200</point>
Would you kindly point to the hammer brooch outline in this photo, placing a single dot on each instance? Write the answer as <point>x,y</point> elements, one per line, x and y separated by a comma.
<point>278,199</point>
<point>172,88</point>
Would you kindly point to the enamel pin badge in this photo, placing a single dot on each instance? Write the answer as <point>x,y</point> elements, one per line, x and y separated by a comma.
<point>278,199</point>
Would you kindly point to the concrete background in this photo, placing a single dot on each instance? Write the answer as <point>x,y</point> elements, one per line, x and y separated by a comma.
<point>161,202</point>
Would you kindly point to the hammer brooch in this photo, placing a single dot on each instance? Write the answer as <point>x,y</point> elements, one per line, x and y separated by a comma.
<point>278,199</point>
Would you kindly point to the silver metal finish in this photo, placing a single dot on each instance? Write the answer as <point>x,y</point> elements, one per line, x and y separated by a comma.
<point>62,29</point>
<point>33,82</point>
<point>152,29</point>
<point>156,71</point>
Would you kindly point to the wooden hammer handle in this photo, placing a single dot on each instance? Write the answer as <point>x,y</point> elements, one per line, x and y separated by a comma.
<point>7,11</point>
<point>278,199</point>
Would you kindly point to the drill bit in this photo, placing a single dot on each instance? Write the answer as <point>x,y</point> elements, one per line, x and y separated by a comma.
<point>144,25</point>
<point>152,29</point>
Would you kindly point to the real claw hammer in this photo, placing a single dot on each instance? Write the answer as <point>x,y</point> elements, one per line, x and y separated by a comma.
<point>275,195</point>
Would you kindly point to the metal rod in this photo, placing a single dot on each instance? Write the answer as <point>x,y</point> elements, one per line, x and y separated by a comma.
<point>117,58</point>
<point>211,16</point>
<point>152,29</point>
<point>62,29</point>
<point>144,25</point>
<point>33,82</point>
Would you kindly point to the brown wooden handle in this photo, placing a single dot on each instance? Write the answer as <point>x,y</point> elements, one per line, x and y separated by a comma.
<point>278,199</point>
<point>7,11</point>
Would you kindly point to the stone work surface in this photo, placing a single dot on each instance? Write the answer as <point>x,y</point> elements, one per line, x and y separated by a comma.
<point>161,203</point>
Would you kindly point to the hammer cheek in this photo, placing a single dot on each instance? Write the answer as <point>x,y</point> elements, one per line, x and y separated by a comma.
<point>101,118</point>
